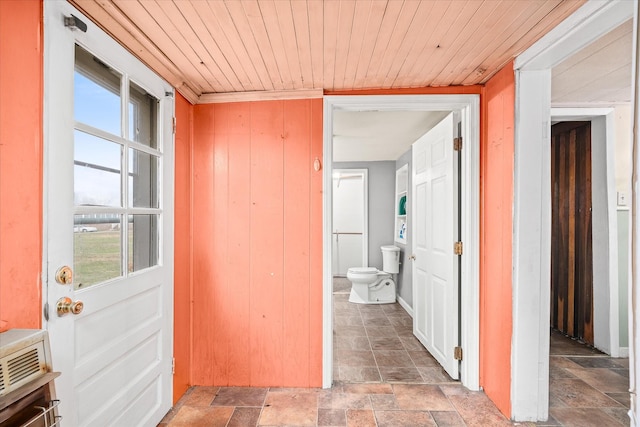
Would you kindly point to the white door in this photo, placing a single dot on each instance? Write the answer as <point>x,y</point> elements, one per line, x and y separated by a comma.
<point>435,268</point>
<point>349,220</point>
<point>108,187</point>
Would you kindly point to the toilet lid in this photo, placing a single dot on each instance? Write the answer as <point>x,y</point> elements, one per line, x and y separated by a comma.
<point>361,270</point>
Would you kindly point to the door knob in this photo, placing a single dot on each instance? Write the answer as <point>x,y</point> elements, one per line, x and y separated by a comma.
<point>412,257</point>
<point>66,305</point>
<point>64,275</point>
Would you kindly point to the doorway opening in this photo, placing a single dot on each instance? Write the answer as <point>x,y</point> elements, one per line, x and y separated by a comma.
<point>391,325</point>
<point>532,185</point>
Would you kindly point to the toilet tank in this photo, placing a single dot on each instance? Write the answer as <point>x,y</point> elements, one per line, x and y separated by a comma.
<point>390,259</point>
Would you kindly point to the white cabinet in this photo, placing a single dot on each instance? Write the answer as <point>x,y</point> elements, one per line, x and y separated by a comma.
<point>402,182</point>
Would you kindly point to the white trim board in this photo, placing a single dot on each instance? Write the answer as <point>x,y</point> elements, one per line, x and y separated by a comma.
<point>532,210</point>
<point>469,107</point>
<point>405,305</point>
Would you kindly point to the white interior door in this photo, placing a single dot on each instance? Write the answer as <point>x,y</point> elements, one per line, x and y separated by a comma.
<point>435,268</point>
<point>349,220</point>
<point>108,217</point>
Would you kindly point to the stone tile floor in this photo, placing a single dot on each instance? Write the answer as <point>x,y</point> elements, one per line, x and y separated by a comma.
<point>384,377</point>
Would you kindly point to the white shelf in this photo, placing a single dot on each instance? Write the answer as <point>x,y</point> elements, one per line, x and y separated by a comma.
<point>402,185</point>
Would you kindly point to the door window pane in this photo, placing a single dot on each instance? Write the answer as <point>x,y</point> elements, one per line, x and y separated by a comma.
<point>97,252</point>
<point>96,93</point>
<point>96,177</point>
<point>143,111</point>
<point>143,179</point>
<point>143,241</point>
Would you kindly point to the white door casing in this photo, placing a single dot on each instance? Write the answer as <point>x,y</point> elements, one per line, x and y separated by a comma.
<point>469,108</point>
<point>435,267</point>
<point>532,200</point>
<point>115,356</point>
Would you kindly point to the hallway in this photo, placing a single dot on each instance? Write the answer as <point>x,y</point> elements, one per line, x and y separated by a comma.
<point>384,377</point>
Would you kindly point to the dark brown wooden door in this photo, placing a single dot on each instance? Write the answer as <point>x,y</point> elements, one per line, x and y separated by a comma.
<point>571,243</point>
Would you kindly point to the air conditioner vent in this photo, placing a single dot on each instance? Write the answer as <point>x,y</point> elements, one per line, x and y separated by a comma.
<point>22,357</point>
<point>23,366</point>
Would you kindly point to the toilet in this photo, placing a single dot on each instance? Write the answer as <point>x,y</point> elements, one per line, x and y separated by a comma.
<point>372,286</point>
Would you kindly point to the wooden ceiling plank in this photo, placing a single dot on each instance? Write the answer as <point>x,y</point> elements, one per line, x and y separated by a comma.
<point>118,25</point>
<point>300,16</point>
<point>521,34</point>
<point>593,68</point>
<point>410,47</point>
<point>256,24</point>
<point>604,43</point>
<point>515,19</point>
<point>331,14</point>
<point>368,44</point>
<point>289,37</point>
<point>174,25</point>
<point>424,44</point>
<point>208,25</point>
<point>216,98</point>
<point>597,88</point>
<point>245,35</point>
<point>315,14</point>
<point>193,32</point>
<point>358,32</point>
<point>472,34</point>
<point>438,49</point>
<point>345,29</point>
<point>275,37</point>
<point>398,37</point>
<point>389,20</point>
<point>466,60</point>
<point>136,12</point>
<point>421,73</point>
<point>523,41</point>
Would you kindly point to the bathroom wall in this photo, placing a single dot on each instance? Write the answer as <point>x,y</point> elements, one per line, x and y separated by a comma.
<point>405,283</point>
<point>381,184</point>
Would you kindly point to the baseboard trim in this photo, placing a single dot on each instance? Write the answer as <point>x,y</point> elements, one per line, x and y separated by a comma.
<point>406,306</point>
<point>624,352</point>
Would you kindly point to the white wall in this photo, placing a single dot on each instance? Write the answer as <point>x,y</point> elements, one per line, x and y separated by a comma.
<point>600,234</point>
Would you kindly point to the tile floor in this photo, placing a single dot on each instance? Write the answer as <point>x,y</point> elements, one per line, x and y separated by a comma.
<point>384,377</point>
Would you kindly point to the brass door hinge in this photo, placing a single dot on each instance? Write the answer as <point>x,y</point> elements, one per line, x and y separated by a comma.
<point>457,353</point>
<point>457,248</point>
<point>457,143</point>
<point>174,125</point>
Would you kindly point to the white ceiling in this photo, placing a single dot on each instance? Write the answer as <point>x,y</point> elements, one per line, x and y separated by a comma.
<point>598,75</point>
<point>379,135</point>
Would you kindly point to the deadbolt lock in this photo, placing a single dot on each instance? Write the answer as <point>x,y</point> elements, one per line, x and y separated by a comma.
<point>64,275</point>
<point>66,305</point>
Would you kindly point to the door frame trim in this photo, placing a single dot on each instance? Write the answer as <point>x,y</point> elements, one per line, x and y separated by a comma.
<point>532,199</point>
<point>469,107</point>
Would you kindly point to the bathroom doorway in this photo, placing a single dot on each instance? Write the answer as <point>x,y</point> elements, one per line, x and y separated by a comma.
<point>376,343</point>
<point>350,220</point>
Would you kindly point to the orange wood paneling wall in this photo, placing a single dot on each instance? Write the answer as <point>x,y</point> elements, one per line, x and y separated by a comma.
<point>21,85</point>
<point>496,165</point>
<point>182,248</point>
<point>257,244</point>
